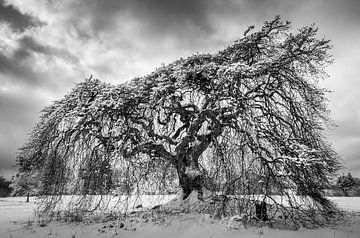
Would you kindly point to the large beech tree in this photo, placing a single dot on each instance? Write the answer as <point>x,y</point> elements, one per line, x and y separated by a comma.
<point>247,119</point>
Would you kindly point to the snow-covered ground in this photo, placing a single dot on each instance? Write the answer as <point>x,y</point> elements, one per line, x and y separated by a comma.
<point>347,203</point>
<point>17,219</point>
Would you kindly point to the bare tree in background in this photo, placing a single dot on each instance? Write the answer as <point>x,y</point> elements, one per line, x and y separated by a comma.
<point>246,120</point>
<point>25,184</point>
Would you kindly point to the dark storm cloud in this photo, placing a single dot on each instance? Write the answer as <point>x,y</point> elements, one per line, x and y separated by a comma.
<point>157,18</point>
<point>29,45</point>
<point>161,16</point>
<point>19,65</point>
<point>18,114</point>
<point>15,18</point>
<point>19,70</point>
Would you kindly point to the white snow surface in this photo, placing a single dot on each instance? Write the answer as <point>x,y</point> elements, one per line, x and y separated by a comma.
<point>17,219</point>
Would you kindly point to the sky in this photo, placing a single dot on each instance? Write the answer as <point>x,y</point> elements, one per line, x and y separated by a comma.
<point>46,46</point>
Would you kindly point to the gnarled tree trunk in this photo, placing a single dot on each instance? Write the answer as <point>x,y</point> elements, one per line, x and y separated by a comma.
<point>190,176</point>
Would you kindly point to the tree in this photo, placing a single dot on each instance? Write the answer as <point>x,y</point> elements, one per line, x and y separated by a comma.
<point>247,119</point>
<point>5,188</point>
<point>346,183</point>
<point>25,184</point>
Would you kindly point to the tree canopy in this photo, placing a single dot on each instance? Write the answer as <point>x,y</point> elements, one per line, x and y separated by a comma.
<point>346,183</point>
<point>25,184</point>
<point>247,119</point>
<point>5,188</point>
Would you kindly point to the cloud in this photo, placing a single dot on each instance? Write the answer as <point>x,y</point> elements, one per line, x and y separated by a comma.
<point>18,21</point>
<point>157,16</point>
<point>28,61</point>
<point>19,70</point>
<point>19,112</point>
<point>28,45</point>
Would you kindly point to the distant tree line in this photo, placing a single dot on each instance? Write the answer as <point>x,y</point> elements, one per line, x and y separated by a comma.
<point>346,185</point>
<point>26,185</point>
<point>20,185</point>
<point>5,189</point>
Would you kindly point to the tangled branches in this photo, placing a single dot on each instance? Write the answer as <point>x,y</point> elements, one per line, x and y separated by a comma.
<point>247,120</point>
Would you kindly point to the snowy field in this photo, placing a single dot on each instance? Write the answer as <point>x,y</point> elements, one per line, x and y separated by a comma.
<point>17,219</point>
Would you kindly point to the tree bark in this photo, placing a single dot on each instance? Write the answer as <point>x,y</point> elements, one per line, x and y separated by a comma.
<point>28,196</point>
<point>261,211</point>
<point>188,153</point>
<point>190,176</point>
<point>189,183</point>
